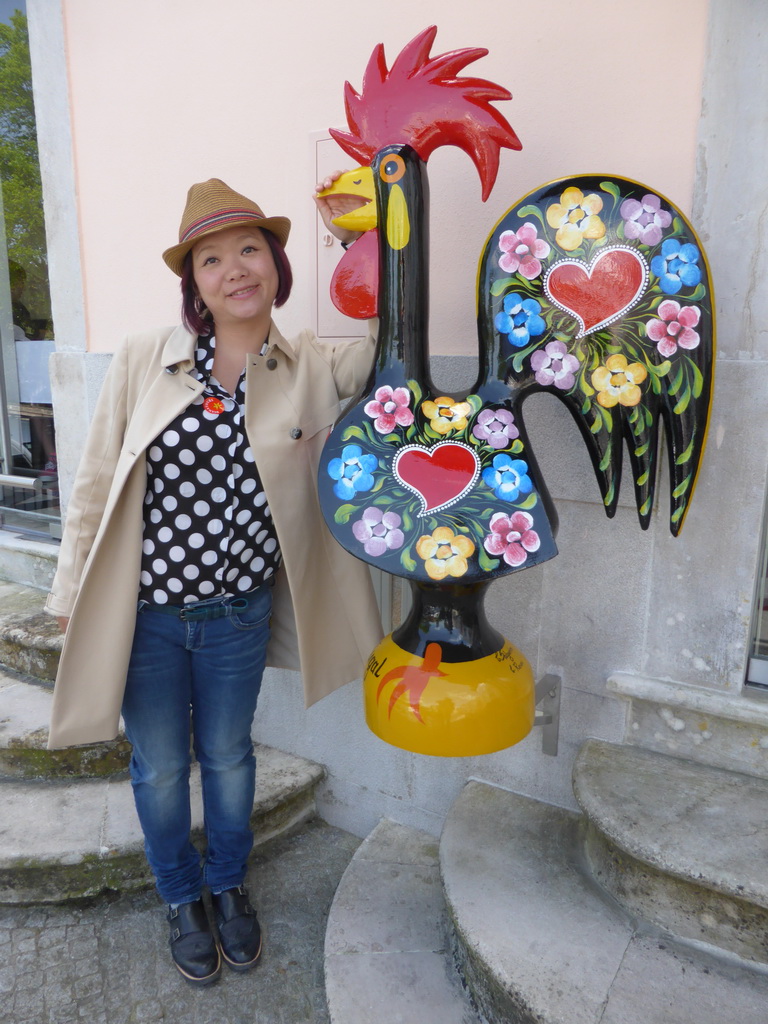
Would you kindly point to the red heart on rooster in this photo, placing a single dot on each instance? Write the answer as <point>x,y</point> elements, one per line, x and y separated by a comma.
<point>440,475</point>
<point>600,292</point>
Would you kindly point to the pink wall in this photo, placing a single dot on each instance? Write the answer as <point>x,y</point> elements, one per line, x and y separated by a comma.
<point>166,94</point>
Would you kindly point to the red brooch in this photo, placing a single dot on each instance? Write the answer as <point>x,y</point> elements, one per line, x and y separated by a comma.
<point>213,405</point>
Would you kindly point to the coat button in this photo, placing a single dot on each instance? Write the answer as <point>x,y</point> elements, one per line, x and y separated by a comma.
<point>271,364</point>
<point>296,433</point>
<point>172,369</point>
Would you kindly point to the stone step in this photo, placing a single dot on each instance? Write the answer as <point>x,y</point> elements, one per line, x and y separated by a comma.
<point>386,953</point>
<point>25,708</point>
<point>30,640</point>
<point>28,560</point>
<point>540,943</point>
<point>682,844</point>
<point>67,840</point>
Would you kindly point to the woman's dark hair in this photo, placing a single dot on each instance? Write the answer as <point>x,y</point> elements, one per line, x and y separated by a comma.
<point>194,313</point>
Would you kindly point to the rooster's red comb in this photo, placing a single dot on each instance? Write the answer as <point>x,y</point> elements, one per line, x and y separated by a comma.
<point>421,102</point>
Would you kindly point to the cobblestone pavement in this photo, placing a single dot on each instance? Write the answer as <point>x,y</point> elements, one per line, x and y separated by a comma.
<point>108,962</point>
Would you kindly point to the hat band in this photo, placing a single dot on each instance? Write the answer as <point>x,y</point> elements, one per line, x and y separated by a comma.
<point>219,219</point>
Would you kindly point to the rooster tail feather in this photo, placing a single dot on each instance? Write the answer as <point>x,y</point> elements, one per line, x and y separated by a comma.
<point>597,290</point>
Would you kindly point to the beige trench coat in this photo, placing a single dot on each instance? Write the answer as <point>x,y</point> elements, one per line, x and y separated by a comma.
<point>325,620</point>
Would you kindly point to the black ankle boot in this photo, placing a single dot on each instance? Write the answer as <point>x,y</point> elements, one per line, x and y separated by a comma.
<point>193,947</point>
<point>239,931</point>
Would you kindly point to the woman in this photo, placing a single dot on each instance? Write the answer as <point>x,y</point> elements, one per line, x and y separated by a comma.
<point>195,494</point>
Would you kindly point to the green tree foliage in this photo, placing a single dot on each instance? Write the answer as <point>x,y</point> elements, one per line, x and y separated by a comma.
<point>19,165</point>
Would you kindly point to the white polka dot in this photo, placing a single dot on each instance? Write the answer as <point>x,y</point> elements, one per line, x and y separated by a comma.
<point>148,498</point>
<point>191,572</point>
<point>155,515</point>
<point>245,583</point>
<point>159,565</point>
<point>165,534</point>
<point>169,503</point>
<point>237,547</point>
<point>204,443</point>
<point>175,585</point>
<point>244,516</point>
<point>158,485</point>
<point>190,422</point>
<point>155,453</point>
<point>171,470</point>
<point>228,512</point>
<point>246,555</point>
<point>148,547</point>
<point>209,558</point>
<point>201,508</point>
<point>267,511</point>
<point>214,526</point>
<point>257,564</point>
<point>196,540</point>
<point>248,486</point>
<point>146,579</point>
<point>218,494</point>
<point>177,553</point>
<point>248,455</point>
<point>253,527</point>
<point>218,462</point>
<point>270,545</point>
<point>187,457</point>
<point>259,499</point>
<point>183,522</point>
<point>204,476</point>
<point>187,489</point>
<point>223,430</point>
<point>237,471</point>
<point>268,573</point>
<point>231,450</point>
<point>206,587</point>
<point>232,574</point>
<point>159,597</point>
<point>171,437</point>
<point>261,537</point>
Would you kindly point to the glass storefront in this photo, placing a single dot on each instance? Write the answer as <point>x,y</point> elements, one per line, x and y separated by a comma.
<point>29,492</point>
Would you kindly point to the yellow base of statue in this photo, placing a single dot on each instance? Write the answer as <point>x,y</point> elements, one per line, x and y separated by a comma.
<point>449,709</point>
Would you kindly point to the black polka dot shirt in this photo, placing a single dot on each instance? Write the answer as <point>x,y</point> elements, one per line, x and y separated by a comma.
<point>208,531</point>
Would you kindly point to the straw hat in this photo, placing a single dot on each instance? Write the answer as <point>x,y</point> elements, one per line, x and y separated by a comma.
<point>211,206</point>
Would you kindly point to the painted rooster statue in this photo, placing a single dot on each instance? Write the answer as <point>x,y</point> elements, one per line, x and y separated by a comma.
<point>594,289</point>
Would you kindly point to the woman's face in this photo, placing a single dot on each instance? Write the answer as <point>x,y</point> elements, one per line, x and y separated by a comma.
<point>235,275</point>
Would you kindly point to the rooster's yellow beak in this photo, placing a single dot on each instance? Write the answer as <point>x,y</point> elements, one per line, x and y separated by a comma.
<point>356,183</point>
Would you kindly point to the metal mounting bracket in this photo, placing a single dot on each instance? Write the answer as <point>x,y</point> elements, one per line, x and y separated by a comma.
<point>548,712</point>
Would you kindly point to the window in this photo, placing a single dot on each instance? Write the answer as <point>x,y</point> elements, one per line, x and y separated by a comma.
<point>757,670</point>
<point>29,493</point>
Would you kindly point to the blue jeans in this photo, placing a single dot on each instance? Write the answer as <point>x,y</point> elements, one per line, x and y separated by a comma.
<point>211,668</point>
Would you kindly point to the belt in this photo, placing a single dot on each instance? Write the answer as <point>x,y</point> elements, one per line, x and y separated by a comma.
<point>198,611</point>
